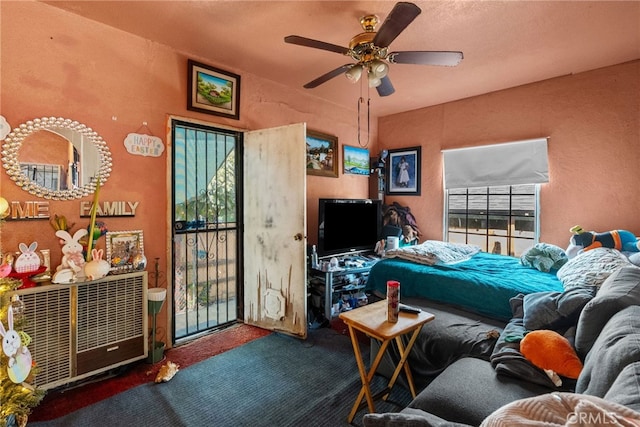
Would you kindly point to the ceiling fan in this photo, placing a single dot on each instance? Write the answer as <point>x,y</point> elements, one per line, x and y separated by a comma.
<point>371,52</point>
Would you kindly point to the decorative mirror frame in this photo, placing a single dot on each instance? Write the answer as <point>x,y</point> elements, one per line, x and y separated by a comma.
<point>14,141</point>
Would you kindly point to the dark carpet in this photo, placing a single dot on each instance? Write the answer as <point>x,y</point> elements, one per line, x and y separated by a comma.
<point>276,380</point>
<point>66,399</point>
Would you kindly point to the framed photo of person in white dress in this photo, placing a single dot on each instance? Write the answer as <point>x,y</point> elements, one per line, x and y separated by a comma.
<point>403,172</point>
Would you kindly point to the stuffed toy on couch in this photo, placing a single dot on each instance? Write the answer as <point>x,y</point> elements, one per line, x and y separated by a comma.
<point>621,240</point>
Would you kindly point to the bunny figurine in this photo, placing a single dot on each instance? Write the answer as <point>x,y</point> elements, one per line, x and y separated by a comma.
<point>28,260</point>
<point>97,268</point>
<point>72,256</point>
<point>19,355</point>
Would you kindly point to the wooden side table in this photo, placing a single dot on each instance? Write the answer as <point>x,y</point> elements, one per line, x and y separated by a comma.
<point>372,320</point>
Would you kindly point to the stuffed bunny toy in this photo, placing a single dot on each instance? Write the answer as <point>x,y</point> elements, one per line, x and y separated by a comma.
<point>19,355</point>
<point>72,256</point>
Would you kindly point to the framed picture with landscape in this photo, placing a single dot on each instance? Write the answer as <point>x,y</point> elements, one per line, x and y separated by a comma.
<point>213,91</point>
<point>356,160</point>
<point>322,154</point>
<point>403,172</point>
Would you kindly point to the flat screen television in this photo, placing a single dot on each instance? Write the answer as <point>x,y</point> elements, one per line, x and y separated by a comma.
<point>348,225</point>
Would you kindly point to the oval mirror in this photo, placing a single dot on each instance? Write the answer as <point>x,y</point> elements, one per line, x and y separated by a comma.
<point>56,158</point>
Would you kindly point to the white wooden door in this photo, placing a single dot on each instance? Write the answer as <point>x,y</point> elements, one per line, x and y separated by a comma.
<point>275,223</point>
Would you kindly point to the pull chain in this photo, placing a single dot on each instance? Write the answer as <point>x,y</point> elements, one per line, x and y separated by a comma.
<point>360,101</point>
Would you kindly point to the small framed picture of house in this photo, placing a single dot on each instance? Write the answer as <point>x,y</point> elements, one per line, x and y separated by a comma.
<point>356,160</point>
<point>322,154</point>
<point>213,91</point>
<point>403,172</point>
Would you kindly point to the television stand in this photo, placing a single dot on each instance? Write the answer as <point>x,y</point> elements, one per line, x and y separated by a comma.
<point>334,288</point>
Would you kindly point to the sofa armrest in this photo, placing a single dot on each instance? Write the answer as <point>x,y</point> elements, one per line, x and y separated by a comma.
<point>409,417</point>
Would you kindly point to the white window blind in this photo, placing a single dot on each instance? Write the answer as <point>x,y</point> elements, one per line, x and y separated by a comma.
<point>511,163</point>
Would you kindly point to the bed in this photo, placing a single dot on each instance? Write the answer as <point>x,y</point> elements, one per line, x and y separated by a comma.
<point>460,275</point>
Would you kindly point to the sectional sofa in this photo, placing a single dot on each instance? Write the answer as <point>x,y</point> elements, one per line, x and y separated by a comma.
<point>471,370</point>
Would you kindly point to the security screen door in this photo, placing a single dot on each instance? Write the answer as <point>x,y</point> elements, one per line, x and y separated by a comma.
<point>223,267</point>
<point>205,227</point>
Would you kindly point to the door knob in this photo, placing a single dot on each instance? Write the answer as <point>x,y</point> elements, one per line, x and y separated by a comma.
<point>297,236</point>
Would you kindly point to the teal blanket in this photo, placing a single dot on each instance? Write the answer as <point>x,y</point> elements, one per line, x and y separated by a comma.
<point>483,284</point>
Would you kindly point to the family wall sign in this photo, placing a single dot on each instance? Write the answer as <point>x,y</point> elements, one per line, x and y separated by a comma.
<point>37,209</point>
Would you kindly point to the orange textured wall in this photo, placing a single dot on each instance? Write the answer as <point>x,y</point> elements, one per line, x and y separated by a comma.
<point>592,120</point>
<point>59,64</point>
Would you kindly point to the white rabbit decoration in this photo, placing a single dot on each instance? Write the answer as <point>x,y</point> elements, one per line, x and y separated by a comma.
<point>72,256</point>
<point>19,355</point>
<point>72,265</point>
<point>28,260</point>
<point>97,268</point>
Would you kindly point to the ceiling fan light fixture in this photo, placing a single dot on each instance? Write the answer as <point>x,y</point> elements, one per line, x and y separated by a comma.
<point>379,68</point>
<point>353,74</point>
<point>374,81</point>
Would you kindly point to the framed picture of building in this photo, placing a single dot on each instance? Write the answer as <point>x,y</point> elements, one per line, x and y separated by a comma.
<point>322,154</point>
<point>213,91</point>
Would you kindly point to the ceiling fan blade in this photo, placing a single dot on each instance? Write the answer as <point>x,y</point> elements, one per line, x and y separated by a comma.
<point>402,14</point>
<point>426,58</point>
<point>303,41</point>
<point>385,88</point>
<point>328,76</point>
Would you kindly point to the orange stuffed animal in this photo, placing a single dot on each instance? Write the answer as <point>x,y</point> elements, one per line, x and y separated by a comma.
<point>551,351</point>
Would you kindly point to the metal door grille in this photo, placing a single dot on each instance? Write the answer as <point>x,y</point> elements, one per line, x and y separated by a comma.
<point>205,248</point>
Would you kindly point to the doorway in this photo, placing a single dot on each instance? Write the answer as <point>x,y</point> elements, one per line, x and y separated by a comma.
<point>205,233</point>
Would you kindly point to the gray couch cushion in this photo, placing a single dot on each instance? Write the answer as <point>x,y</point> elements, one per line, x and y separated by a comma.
<point>625,390</point>
<point>453,334</point>
<point>617,346</point>
<point>621,289</point>
<point>409,417</point>
<point>457,393</point>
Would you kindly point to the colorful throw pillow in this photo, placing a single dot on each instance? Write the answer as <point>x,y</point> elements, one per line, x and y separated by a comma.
<point>549,350</point>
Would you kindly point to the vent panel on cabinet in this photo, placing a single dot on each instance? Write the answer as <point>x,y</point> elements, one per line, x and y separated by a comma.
<point>110,311</point>
<point>82,329</point>
<point>47,312</point>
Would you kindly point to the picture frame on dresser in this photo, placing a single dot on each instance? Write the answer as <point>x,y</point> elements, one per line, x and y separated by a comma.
<point>403,172</point>
<point>121,248</point>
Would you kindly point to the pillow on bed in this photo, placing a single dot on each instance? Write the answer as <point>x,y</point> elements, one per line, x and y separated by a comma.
<point>591,268</point>
<point>544,257</point>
